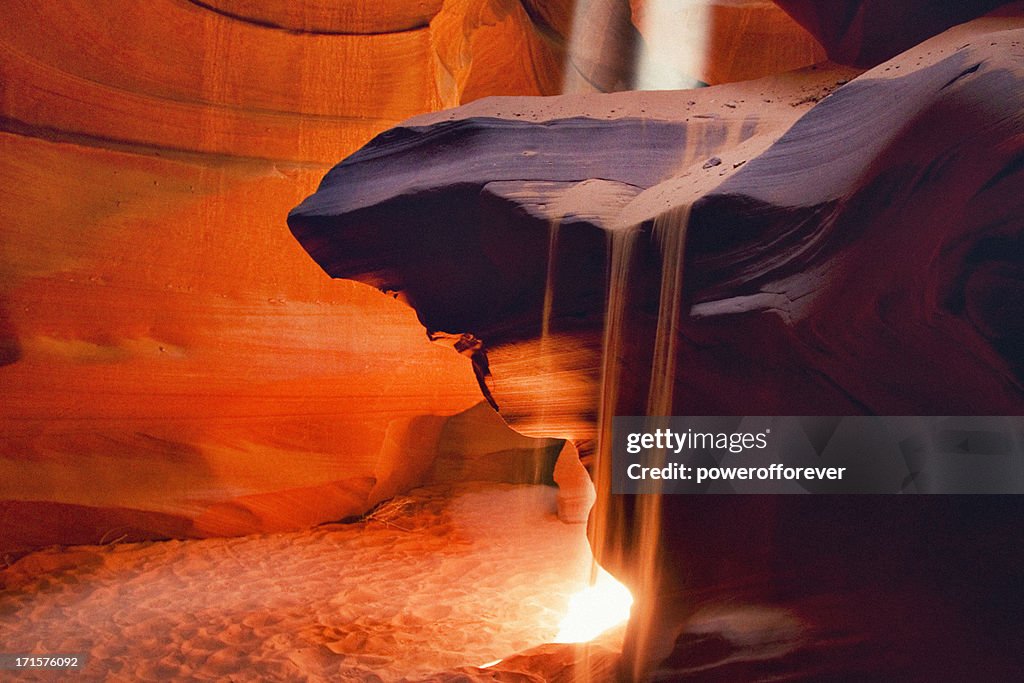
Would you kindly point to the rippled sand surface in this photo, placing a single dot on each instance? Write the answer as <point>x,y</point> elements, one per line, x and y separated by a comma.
<point>445,577</point>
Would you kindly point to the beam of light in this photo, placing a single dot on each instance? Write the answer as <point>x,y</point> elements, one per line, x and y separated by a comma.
<point>603,605</point>
<point>675,41</point>
<point>599,49</point>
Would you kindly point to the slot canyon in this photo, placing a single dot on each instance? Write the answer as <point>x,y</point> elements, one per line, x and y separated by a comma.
<point>318,321</point>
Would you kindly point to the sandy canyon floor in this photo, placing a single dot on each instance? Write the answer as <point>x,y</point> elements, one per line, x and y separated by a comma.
<point>443,578</point>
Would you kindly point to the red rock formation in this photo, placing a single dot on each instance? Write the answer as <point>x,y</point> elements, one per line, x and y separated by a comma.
<point>172,362</point>
<point>144,185</point>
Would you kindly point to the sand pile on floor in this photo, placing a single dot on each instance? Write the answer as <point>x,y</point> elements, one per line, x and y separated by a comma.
<point>442,578</point>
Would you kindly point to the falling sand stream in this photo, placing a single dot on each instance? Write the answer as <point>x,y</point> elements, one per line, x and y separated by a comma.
<point>640,374</point>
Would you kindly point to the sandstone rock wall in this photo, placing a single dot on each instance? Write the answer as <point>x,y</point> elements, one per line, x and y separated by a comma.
<point>172,361</point>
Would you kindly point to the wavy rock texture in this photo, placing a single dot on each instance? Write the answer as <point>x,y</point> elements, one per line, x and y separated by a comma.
<point>172,362</point>
<point>851,245</point>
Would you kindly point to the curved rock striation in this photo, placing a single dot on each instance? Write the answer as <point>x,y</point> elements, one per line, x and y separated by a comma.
<point>296,82</point>
<point>348,17</point>
<point>172,363</point>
